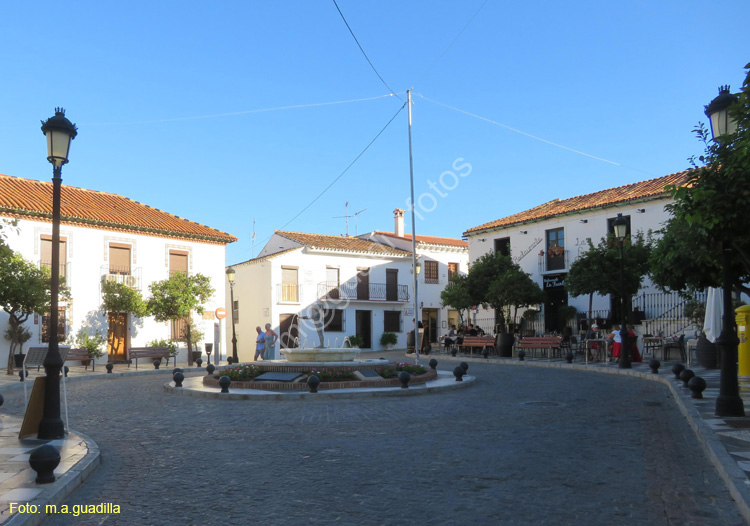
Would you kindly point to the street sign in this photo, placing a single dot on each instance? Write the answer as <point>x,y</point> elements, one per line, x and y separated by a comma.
<point>221,313</point>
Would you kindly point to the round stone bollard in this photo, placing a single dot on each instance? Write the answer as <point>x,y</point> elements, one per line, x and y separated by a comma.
<point>230,360</point>
<point>569,357</point>
<point>459,372</point>
<point>521,355</point>
<point>157,363</point>
<point>224,382</point>
<point>677,369</point>
<point>654,364</point>
<point>454,351</point>
<point>176,370</point>
<point>404,378</point>
<point>685,376</point>
<point>44,460</point>
<point>66,370</point>
<point>486,353</point>
<point>312,383</point>
<point>697,385</point>
<point>464,366</point>
<point>210,369</point>
<point>433,364</point>
<point>178,377</point>
<point>199,362</point>
<point>20,374</point>
<point>109,368</point>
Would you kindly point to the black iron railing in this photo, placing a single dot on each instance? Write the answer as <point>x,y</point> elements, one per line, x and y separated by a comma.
<point>351,290</point>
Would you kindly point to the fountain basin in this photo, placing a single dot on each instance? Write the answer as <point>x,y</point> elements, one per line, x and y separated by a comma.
<point>344,354</point>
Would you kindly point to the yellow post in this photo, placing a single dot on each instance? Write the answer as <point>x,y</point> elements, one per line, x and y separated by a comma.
<point>743,332</point>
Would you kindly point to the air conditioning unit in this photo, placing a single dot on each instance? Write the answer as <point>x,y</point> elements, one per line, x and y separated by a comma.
<point>110,278</point>
<point>130,281</point>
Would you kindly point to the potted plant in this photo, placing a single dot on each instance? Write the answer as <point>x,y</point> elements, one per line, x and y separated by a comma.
<point>355,341</point>
<point>388,340</point>
<point>92,342</point>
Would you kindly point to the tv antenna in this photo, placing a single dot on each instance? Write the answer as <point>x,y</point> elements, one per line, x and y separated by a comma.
<point>346,215</point>
<point>355,220</point>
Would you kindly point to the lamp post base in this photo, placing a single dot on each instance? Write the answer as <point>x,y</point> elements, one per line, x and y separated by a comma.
<point>729,406</point>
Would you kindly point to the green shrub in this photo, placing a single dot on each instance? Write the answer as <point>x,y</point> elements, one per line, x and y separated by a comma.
<point>388,338</point>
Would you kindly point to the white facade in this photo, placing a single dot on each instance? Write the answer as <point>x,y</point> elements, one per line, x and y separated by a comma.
<point>86,264</point>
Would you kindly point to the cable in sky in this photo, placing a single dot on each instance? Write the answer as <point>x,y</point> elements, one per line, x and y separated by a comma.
<point>341,174</point>
<point>363,51</point>
<point>176,119</point>
<point>519,131</point>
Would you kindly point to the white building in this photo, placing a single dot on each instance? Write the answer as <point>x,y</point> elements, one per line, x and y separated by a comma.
<point>547,239</point>
<point>364,287</point>
<point>441,258</point>
<point>108,237</point>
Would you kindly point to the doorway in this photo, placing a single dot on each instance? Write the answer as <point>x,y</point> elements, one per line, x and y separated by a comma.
<point>289,331</point>
<point>364,327</point>
<point>430,323</point>
<point>117,336</point>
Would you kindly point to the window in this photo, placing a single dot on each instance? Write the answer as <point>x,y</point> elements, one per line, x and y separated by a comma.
<point>46,253</point>
<point>502,246</point>
<point>60,326</point>
<point>556,249</point>
<point>177,330</point>
<point>611,228</point>
<point>178,261</point>
<point>289,284</point>
<point>333,320</point>
<point>119,259</point>
<point>452,270</point>
<point>332,282</point>
<point>431,272</point>
<point>392,321</point>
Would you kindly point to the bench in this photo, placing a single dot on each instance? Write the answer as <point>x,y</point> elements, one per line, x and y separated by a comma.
<point>478,341</point>
<point>79,355</point>
<point>150,352</point>
<point>548,343</point>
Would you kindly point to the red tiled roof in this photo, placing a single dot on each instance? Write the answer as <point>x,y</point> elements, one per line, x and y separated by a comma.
<point>429,240</point>
<point>342,243</point>
<point>642,191</point>
<point>21,197</point>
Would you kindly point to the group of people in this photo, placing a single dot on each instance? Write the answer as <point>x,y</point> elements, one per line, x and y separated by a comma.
<point>615,340</point>
<point>456,336</point>
<point>265,344</point>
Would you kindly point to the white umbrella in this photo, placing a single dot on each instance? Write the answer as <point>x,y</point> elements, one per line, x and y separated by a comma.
<point>714,312</point>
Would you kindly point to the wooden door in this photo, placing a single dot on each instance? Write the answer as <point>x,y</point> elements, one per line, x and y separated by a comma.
<point>117,335</point>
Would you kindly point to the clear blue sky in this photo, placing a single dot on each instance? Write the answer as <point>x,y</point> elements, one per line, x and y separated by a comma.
<point>163,94</point>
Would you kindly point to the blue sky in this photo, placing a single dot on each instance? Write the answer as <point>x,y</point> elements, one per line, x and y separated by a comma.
<point>165,96</point>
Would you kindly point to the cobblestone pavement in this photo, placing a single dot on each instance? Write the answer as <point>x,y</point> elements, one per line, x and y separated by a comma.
<point>524,446</point>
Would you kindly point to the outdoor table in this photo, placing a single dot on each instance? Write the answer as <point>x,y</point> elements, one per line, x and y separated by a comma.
<point>602,346</point>
<point>652,343</point>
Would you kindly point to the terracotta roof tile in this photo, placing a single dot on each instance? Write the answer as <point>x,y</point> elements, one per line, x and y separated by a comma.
<point>342,243</point>
<point>642,191</point>
<point>429,240</point>
<point>21,197</point>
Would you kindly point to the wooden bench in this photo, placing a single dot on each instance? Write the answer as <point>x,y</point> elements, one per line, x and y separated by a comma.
<point>548,343</point>
<point>478,341</point>
<point>150,352</point>
<point>79,355</point>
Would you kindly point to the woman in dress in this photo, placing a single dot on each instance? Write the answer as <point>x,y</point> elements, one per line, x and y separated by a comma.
<point>271,337</point>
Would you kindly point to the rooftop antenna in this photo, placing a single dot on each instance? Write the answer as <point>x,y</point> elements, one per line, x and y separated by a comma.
<point>355,221</point>
<point>346,215</point>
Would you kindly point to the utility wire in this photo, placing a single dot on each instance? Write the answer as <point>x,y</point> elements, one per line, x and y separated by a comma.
<point>296,106</point>
<point>363,51</point>
<point>341,174</point>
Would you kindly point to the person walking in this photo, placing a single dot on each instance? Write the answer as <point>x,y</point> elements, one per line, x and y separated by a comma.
<point>260,344</point>
<point>270,343</point>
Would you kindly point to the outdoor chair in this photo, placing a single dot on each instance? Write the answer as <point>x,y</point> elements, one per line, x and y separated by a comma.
<point>678,344</point>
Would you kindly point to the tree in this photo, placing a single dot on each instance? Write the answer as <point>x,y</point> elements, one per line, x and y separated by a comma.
<point>24,290</point>
<point>457,296</point>
<point>176,298</point>
<point>708,212</point>
<point>597,271</point>
<point>118,297</point>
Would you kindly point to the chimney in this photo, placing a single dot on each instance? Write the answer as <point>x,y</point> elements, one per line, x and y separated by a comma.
<point>398,216</point>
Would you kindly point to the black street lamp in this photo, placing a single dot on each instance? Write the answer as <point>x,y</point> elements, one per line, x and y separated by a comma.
<point>621,231</point>
<point>59,131</point>
<point>230,277</point>
<point>728,402</point>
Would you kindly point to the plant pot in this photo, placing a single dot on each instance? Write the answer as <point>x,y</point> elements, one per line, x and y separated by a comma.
<point>505,342</point>
<point>19,359</point>
<point>388,346</point>
<point>706,353</point>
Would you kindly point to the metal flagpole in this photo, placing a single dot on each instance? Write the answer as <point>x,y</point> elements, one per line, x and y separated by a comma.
<point>413,237</point>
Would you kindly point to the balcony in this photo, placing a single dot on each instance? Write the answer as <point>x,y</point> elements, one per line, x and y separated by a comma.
<point>64,268</point>
<point>553,260</point>
<point>352,290</point>
<point>128,275</point>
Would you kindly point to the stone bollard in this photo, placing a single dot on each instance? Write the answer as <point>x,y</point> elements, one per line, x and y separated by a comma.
<point>654,364</point>
<point>66,370</point>
<point>433,364</point>
<point>177,370</point>
<point>109,368</point>
<point>224,382</point>
<point>20,374</point>
<point>569,357</point>
<point>404,378</point>
<point>454,351</point>
<point>521,355</point>
<point>464,366</point>
<point>230,360</point>
<point>157,363</point>
<point>312,383</point>
<point>677,369</point>
<point>210,369</point>
<point>44,460</point>
<point>199,362</point>
<point>685,376</point>
<point>697,385</point>
<point>178,377</point>
<point>486,353</point>
<point>459,372</point>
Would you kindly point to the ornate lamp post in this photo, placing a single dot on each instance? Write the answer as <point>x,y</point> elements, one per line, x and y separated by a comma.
<point>59,131</point>
<point>230,277</point>
<point>728,402</point>
<point>417,272</point>
<point>621,231</point>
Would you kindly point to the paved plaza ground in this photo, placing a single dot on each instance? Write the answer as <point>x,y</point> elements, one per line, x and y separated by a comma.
<point>523,446</point>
